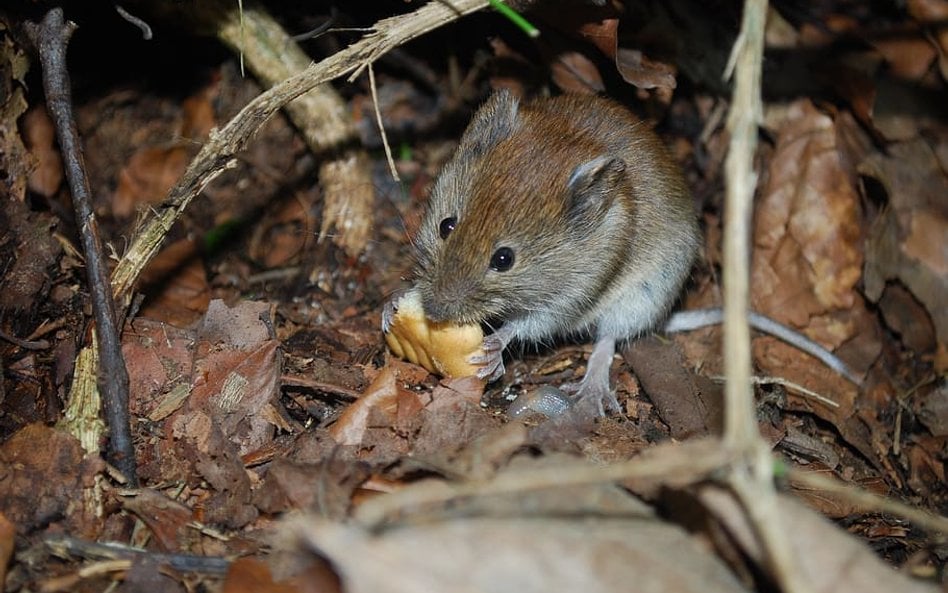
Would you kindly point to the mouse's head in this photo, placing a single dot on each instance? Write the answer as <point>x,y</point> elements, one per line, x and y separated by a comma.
<point>518,220</point>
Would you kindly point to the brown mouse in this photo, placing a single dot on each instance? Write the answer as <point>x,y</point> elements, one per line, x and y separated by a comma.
<point>557,216</point>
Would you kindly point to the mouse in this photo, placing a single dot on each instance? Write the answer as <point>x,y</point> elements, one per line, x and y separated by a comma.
<point>556,217</point>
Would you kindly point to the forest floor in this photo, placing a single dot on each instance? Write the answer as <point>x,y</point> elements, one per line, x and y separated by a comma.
<point>268,416</point>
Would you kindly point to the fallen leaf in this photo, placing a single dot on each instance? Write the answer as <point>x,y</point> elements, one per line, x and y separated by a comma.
<point>932,13</point>
<point>523,554</point>
<point>909,56</point>
<point>167,519</point>
<point>45,473</point>
<point>808,260</point>
<point>175,284</point>
<point>41,140</point>
<point>903,241</point>
<point>826,557</point>
<point>575,73</point>
<point>639,70</point>
<point>148,176</point>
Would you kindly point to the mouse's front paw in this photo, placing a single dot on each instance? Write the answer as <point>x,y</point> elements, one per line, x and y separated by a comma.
<point>491,362</point>
<point>388,312</point>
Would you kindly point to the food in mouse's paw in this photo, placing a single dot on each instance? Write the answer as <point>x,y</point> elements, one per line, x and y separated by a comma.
<point>440,347</point>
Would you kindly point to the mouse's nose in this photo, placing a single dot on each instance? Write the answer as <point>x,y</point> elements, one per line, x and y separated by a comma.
<point>446,302</point>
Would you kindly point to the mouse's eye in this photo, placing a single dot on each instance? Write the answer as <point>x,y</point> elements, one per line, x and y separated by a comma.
<point>502,260</point>
<point>446,226</point>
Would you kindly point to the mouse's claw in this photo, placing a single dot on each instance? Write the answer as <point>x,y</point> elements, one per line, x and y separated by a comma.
<point>492,360</point>
<point>390,308</point>
<point>596,399</point>
<point>491,363</point>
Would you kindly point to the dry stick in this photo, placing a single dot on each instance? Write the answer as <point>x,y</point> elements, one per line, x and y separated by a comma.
<point>50,39</point>
<point>66,546</point>
<point>867,501</point>
<point>672,464</point>
<point>378,119</point>
<point>219,152</point>
<point>751,475</point>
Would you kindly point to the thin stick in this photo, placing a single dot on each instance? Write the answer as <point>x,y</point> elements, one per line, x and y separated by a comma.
<point>867,501</point>
<point>378,118</point>
<point>65,546</point>
<point>51,38</point>
<point>751,476</point>
<point>741,180</point>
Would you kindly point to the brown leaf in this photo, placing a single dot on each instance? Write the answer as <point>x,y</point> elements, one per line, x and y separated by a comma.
<point>575,73</point>
<point>567,552</point>
<point>827,558</point>
<point>166,518</point>
<point>933,12</point>
<point>175,283</point>
<point>808,254</point>
<point>159,358</point>
<point>147,177</point>
<point>689,407</point>
<point>282,235</point>
<point>602,34</point>
<point>250,575</point>
<point>381,395</point>
<point>638,70</point>
<point>903,243</point>
<point>908,57</point>
<point>807,262</point>
<point>44,474</point>
<point>41,140</point>
<point>244,325</point>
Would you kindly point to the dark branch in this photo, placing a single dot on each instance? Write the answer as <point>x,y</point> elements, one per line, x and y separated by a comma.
<point>65,546</point>
<point>50,38</point>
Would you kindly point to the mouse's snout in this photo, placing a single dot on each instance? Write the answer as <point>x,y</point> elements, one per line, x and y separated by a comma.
<point>447,302</point>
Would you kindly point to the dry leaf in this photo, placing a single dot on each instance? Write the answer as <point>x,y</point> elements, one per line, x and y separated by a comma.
<point>175,283</point>
<point>907,240</point>
<point>575,73</point>
<point>637,69</point>
<point>931,13</point>
<point>40,137</point>
<point>523,554</point>
<point>826,557</point>
<point>147,177</point>
<point>808,259</point>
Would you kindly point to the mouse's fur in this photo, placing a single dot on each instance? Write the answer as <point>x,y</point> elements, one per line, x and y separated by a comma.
<point>597,214</point>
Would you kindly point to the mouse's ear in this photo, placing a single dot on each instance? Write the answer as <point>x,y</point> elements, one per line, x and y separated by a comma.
<point>496,120</point>
<point>592,186</point>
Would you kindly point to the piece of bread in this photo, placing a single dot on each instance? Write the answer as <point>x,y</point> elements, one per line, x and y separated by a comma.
<point>440,347</point>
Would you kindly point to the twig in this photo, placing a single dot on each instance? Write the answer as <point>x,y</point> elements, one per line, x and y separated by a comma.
<point>751,476</point>
<point>51,38</point>
<point>788,384</point>
<point>141,24</point>
<point>296,381</point>
<point>25,344</point>
<point>673,464</point>
<point>66,546</point>
<point>378,119</point>
<point>740,178</point>
<point>867,501</point>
